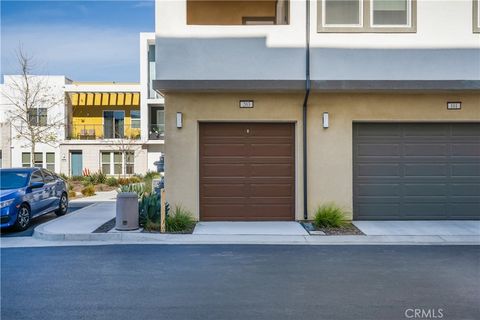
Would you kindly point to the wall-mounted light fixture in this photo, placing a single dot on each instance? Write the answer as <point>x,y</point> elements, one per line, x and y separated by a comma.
<point>325,120</point>
<point>179,119</point>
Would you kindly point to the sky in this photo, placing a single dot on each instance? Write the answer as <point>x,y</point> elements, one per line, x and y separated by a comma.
<point>85,40</point>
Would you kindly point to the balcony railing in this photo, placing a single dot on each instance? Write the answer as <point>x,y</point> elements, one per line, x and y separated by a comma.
<point>86,131</point>
<point>156,131</point>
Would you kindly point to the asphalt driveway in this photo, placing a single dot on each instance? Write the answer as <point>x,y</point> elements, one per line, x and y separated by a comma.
<point>239,282</point>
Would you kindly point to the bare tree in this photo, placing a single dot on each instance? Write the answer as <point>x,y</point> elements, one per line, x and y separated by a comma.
<point>128,144</point>
<point>33,102</point>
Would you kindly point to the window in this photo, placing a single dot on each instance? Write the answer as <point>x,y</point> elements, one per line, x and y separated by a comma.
<point>38,160</point>
<point>50,161</point>
<point>117,162</point>
<point>1,159</point>
<point>37,116</point>
<point>26,159</point>
<point>476,16</point>
<point>367,16</point>
<point>36,176</point>
<point>49,178</point>
<point>113,124</point>
<point>135,119</point>
<point>129,162</point>
<point>105,159</point>
<point>342,12</point>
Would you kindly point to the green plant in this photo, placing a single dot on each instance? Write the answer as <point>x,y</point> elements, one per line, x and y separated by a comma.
<point>76,178</point>
<point>123,181</point>
<point>72,194</point>
<point>134,180</point>
<point>151,175</point>
<point>63,176</point>
<point>180,220</point>
<point>329,216</point>
<point>88,191</point>
<point>112,182</point>
<point>138,188</point>
<point>100,178</point>
<point>149,210</point>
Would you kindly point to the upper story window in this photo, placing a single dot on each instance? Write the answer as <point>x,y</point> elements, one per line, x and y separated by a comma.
<point>37,117</point>
<point>237,12</point>
<point>367,15</point>
<point>476,16</point>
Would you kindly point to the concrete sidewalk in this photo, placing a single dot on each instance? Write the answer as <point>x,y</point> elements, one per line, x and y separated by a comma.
<point>76,229</point>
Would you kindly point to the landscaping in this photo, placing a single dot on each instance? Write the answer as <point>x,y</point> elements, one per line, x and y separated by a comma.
<point>331,220</point>
<point>90,183</point>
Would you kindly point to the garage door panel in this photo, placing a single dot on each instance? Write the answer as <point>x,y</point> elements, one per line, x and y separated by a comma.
<point>247,174</point>
<point>424,149</point>
<point>230,150</point>
<point>465,170</point>
<point>378,149</point>
<point>425,170</point>
<point>270,150</point>
<point>225,170</point>
<point>465,189</point>
<point>226,190</point>
<point>425,190</point>
<point>466,150</point>
<point>434,174</point>
<point>272,190</point>
<point>378,189</point>
<point>378,169</point>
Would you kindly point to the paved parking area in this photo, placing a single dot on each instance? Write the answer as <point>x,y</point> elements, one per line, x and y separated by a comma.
<point>416,228</point>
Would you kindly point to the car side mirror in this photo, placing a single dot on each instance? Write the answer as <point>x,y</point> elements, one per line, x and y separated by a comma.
<point>35,185</point>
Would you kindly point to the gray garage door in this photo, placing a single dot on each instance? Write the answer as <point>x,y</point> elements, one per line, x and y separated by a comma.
<point>414,171</point>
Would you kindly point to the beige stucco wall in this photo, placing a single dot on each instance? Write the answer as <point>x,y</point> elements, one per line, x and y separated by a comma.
<point>329,150</point>
<point>91,156</point>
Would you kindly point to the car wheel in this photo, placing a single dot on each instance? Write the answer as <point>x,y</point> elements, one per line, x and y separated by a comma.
<point>63,206</point>
<point>23,218</point>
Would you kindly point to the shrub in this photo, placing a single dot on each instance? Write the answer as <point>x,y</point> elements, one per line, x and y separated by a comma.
<point>151,175</point>
<point>123,181</point>
<point>149,210</point>
<point>87,182</point>
<point>72,194</point>
<point>329,216</point>
<point>88,191</point>
<point>112,182</point>
<point>63,176</point>
<point>100,178</point>
<point>138,188</point>
<point>180,220</point>
<point>76,178</point>
<point>134,180</point>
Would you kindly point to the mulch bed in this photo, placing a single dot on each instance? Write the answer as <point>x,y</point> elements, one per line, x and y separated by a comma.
<point>348,229</point>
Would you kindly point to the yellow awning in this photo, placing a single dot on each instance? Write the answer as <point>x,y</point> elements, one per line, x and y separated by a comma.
<point>105,99</point>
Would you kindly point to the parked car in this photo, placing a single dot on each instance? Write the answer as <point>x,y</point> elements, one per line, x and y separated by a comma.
<point>26,193</point>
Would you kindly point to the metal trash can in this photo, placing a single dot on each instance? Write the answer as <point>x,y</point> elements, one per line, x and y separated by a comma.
<point>127,211</point>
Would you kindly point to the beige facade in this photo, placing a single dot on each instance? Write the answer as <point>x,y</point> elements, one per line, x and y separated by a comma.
<point>330,176</point>
<point>91,155</point>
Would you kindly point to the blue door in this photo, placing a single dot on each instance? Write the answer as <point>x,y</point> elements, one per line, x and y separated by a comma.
<point>76,163</point>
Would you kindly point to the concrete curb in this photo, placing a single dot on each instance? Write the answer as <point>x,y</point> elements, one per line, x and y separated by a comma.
<point>155,238</point>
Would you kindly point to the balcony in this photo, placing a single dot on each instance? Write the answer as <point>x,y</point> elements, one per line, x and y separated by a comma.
<point>97,131</point>
<point>156,131</point>
<point>237,12</point>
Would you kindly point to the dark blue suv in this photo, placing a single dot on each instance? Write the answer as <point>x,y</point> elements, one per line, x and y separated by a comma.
<point>26,193</point>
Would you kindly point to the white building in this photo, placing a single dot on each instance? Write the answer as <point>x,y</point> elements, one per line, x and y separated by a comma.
<point>114,127</point>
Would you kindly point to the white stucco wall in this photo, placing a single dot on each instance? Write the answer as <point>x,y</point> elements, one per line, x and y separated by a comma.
<point>444,47</point>
<point>56,86</point>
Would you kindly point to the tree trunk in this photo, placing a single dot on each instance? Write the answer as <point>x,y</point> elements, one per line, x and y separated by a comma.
<point>32,155</point>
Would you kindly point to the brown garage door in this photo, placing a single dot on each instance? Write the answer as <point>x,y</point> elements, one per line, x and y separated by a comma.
<point>247,171</point>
